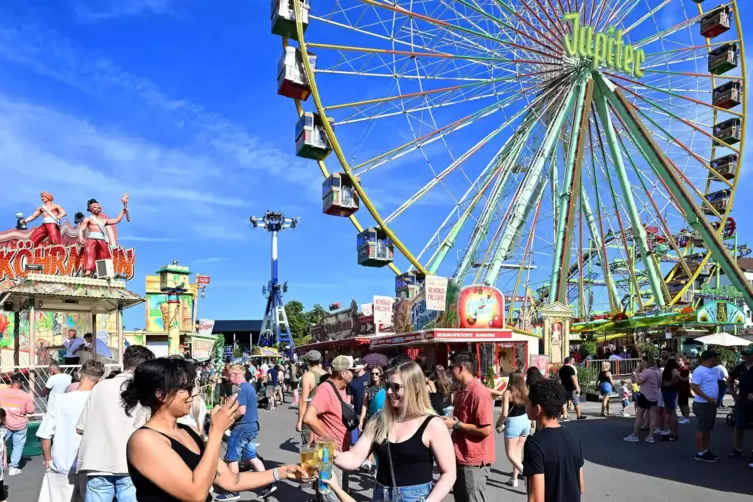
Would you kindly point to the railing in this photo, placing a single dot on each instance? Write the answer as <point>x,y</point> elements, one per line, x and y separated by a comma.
<point>35,378</point>
<point>618,367</point>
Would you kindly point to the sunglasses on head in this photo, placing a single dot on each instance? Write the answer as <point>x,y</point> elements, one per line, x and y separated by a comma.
<point>394,387</point>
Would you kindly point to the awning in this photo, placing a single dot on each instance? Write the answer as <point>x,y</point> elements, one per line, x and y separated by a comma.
<point>444,336</point>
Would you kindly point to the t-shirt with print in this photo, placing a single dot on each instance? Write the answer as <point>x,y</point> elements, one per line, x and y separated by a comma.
<point>708,380</point>
<point>557,454</point>
<point>330,413</point>
<point>17,405</point>
<point>473,405</point>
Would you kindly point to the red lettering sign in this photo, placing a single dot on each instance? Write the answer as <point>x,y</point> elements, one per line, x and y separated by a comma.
<point>204,279</point>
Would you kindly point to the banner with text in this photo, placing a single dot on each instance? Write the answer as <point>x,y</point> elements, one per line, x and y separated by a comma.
<point>436,292</point>
<point>383,314</point>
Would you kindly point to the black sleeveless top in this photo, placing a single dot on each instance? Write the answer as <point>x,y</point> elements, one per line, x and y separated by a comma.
<point>515,410</point>
<point>412,460</point>
<point>603,378</point>
<point>146,491</point>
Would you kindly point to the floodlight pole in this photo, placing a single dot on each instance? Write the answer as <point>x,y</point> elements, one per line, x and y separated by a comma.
<point>275,328</point>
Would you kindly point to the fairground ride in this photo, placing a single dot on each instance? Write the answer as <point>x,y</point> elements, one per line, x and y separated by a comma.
<point>582,151</point>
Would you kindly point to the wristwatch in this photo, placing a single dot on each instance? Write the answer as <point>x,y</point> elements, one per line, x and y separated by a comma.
<point>456,426</point>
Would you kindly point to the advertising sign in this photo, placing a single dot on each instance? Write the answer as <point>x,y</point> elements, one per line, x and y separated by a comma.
<point>204,326</point>
<point>412,314</point>
<point>481,307</point>
<point>383,314</point>
<point>717,312</point>
<point>367,309</point>
<point>337,325</point>
<point>204,279</point>
<point>436,292</point>
<point>201,350</point>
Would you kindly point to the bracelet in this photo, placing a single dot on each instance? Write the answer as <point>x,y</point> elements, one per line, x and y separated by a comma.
<point>275,474</point>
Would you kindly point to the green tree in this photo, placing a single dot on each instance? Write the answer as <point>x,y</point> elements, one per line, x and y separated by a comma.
<point>298,321</point>
<point>316,315</point>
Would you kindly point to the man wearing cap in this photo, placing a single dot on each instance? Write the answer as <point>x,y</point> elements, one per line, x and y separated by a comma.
<point>309,382</point>
<point>324,415</point>
<point>357,390</point>
<point>740,384</point>
<point>706,388</point>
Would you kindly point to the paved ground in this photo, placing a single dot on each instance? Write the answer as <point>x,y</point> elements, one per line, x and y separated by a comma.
<point>615,470</point>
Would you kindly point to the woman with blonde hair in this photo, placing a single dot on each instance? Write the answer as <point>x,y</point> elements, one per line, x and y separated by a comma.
<point>406,437</point>
<point>606,384</point>
<point>516,424</point>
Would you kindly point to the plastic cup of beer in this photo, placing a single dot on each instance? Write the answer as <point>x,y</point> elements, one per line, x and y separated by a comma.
<point>309,463</point>
<point>325,443</point>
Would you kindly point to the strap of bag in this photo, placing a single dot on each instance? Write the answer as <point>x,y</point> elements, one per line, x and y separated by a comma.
<point>392,470</point>
<point>337,392</point>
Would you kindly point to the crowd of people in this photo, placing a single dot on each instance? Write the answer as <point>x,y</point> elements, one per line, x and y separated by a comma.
<point>418,434</point>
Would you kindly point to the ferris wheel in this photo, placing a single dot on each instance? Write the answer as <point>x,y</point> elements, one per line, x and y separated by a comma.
<point>582,151</point>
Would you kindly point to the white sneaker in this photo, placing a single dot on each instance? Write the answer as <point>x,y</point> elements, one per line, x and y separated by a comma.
<point>650,439</point>
<point>683,421</point>
<point>632,438</point>
<point>665,432</point>
<point>657,431</point>
<point>13,471</point>
<point>625,413</point>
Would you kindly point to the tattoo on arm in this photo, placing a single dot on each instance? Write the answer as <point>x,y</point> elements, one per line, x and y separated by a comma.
<point>237,478</point>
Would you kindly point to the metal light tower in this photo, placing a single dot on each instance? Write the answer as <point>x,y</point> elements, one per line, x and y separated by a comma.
<point>275,327</point>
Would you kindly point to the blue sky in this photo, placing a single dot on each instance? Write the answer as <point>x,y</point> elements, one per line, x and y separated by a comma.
<point>175,103</point>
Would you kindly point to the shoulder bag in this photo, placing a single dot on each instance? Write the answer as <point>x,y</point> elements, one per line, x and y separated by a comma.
<point>349,418</point>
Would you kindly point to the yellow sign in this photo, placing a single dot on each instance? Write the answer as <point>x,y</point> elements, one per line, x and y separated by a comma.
<point>603,49</point>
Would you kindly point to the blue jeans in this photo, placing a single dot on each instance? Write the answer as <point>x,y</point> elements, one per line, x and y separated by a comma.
<point>722,392</point>
<point>105,488</point>
<point>415,493</point>
<point>18,438</point>
<point>241,444</point>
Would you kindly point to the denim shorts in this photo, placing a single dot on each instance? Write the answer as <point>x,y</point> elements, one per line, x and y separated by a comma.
<point>669,397</point>
<point>574,397</point>
<point>517,427</point>
<point>414,493</point>
<point>605,388</point>
<point>241,444</point>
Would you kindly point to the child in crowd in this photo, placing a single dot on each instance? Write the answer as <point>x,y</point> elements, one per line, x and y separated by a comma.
<point>3,488</point>
<point>553,458</point>
<point>625,394</point>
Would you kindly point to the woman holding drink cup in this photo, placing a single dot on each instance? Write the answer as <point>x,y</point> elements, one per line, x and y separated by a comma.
<point>406,437</point>
<point>188,467</point>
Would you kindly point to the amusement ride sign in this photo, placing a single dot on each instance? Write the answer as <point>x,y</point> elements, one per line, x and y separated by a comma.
<point>603,49</point>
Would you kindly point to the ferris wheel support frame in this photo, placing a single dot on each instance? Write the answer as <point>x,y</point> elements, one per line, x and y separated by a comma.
<point>522,206</point>
<point>665,168</point>
<point>639,233</point>
<point>562,235</point>
<point>597,242</point>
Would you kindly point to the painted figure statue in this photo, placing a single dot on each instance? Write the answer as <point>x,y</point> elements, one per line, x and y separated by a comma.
<point>51,214</point>
<point>93,236</point>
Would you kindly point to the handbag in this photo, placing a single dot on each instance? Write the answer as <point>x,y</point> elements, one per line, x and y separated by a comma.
<point>349,418</point>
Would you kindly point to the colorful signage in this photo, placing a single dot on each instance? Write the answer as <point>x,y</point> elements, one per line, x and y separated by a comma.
<point>204,326</point>
<point>337,325</point>
<point>719,312</point>
<point>436,292</point>
<point>17,252</point>
<point>383,314</point>
<point>726,293</point>
<point>412,314</point>
<point>481,307</point>
<point>445,336</point>
<point>201,350</point>
<point>602,49</point>
<point>203,279</point>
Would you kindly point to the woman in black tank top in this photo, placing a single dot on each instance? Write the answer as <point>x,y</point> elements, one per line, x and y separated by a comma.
<point>169,462</point>
<point>406,437</point>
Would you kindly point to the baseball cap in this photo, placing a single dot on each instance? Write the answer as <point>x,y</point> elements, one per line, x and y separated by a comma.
<point>313,355</point>
<point>708,354</point>
<point>342,363</point>
<point>359,364</point>
<point>747,352</point>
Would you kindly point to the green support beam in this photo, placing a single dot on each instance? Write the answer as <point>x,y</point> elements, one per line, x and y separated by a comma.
<point>670,176</point>
<point>639,233</point>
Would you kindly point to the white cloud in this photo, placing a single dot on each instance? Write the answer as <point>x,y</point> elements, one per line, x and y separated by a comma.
<point>99,10</point>
<point>213,259</point>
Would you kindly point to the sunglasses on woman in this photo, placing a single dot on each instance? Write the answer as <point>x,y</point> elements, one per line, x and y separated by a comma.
<point>394,387</point>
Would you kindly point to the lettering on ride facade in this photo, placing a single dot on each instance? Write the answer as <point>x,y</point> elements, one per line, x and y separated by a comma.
<point>604,48</point>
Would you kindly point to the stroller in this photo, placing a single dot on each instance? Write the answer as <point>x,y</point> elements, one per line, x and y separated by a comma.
<point>731,418</point>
